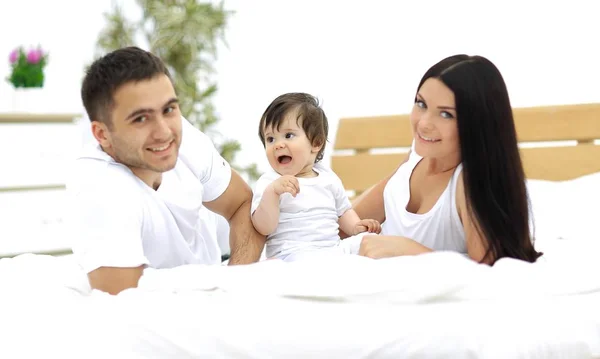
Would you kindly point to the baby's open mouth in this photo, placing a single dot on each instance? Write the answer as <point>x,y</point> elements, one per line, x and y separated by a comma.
<point>284,159</point>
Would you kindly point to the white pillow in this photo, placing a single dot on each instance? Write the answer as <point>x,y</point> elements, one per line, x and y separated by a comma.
<point>582,208</point>
<point>566,209</point>
<point>548,200</point>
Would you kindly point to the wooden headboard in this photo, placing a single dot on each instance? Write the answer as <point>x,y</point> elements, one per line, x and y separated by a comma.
<point>557,143</point>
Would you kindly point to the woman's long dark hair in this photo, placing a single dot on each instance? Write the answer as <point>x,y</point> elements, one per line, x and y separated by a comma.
<point>493,175</point>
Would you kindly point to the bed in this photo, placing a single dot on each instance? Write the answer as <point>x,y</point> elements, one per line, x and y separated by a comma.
<point>437,305</point>
<point>558,143</point>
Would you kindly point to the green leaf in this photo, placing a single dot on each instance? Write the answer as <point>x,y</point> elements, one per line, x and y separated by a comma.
<point>185,34</point>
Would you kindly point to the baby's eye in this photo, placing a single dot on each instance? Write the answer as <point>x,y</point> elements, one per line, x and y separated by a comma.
<point>270,139</point>
<point>289,135</point>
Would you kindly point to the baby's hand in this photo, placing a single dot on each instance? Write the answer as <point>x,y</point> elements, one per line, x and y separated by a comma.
<point>285,184</point>
<point>367,225</point>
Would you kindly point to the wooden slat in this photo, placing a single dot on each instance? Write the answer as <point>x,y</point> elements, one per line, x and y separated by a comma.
<point>560,163</point>
<point>547,163</point>
<point>558,123</point>
<point>32,188</point>
<point>361,171</point>
<point>55,252</point>
<point>38,117</point>
<point>373,132</point>
<point>534,124</point>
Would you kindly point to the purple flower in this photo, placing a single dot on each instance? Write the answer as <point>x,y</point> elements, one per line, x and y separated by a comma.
<point>34,56</point>
<point>14,56</point>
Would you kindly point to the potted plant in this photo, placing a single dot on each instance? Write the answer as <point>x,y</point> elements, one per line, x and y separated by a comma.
<point>27,76</point>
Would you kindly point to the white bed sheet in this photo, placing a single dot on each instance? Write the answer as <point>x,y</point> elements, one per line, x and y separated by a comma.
<point>435,305</point>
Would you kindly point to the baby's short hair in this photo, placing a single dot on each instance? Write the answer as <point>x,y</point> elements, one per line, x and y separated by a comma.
<point>309,114</point>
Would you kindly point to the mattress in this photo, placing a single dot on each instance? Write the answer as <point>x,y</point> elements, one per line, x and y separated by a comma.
<point>434,305</point>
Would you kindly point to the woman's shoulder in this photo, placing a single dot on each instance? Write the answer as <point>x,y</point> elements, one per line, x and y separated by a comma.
<point>460,198</point>
<point>406,166</point>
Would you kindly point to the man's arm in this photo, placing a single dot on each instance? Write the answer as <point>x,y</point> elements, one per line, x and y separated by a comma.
<point>113,280</point>
<point>234,205</point>
<point>105,220</point>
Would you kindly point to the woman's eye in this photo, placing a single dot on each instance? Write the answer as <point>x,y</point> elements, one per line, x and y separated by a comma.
<point>446,114</point>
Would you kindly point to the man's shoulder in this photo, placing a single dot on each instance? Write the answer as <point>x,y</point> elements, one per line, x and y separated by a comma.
<point>197,151</point>
<point>95,171</point>
<point>192,140</point>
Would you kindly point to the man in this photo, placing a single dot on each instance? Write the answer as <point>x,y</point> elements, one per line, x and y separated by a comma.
<point>139,193</point>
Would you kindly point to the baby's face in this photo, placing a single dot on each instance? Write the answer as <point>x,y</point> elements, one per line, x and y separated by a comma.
<point>289,150</point>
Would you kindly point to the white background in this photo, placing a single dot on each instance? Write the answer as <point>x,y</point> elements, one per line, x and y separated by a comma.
<point>358,57</point>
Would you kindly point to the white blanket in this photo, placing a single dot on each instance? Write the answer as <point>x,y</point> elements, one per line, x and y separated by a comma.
<point>439,304</point>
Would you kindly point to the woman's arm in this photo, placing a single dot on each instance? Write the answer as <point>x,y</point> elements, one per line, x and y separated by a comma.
<point>390,246</point>
<point>393,246</point>
<point>370,203</point>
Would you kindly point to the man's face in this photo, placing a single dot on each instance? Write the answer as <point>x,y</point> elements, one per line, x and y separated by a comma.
<point>145,131</point>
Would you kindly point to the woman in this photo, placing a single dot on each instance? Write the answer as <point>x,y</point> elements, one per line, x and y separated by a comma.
<point>463,186</point>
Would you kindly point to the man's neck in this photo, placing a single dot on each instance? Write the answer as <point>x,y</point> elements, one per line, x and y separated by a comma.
<point>151,178</point>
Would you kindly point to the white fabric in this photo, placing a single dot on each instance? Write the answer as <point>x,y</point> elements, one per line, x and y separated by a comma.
<point>119,221</point>
<point>439,229</point>
<point>547,216</point>
<point>565,209</point>
<point>435,305</point>
<point>308,221</point>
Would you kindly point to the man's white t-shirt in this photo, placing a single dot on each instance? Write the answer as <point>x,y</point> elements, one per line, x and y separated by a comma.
<point>119,221</point>
<point>310,220</point>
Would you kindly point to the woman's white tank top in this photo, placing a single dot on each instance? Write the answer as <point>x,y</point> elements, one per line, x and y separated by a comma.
<point>440,229</point>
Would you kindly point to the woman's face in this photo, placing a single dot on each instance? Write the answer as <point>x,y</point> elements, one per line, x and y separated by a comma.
<point>433,120</point>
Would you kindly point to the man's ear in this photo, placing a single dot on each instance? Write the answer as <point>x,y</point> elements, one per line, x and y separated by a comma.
<point>101,133</point>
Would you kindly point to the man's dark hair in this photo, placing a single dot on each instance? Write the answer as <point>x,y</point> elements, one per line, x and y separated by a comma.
<point>108,73</point>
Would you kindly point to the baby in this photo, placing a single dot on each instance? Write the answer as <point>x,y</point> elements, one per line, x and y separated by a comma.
<point>300,205</point>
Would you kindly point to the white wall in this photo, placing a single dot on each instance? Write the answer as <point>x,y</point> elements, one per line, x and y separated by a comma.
<point>359,57</point>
